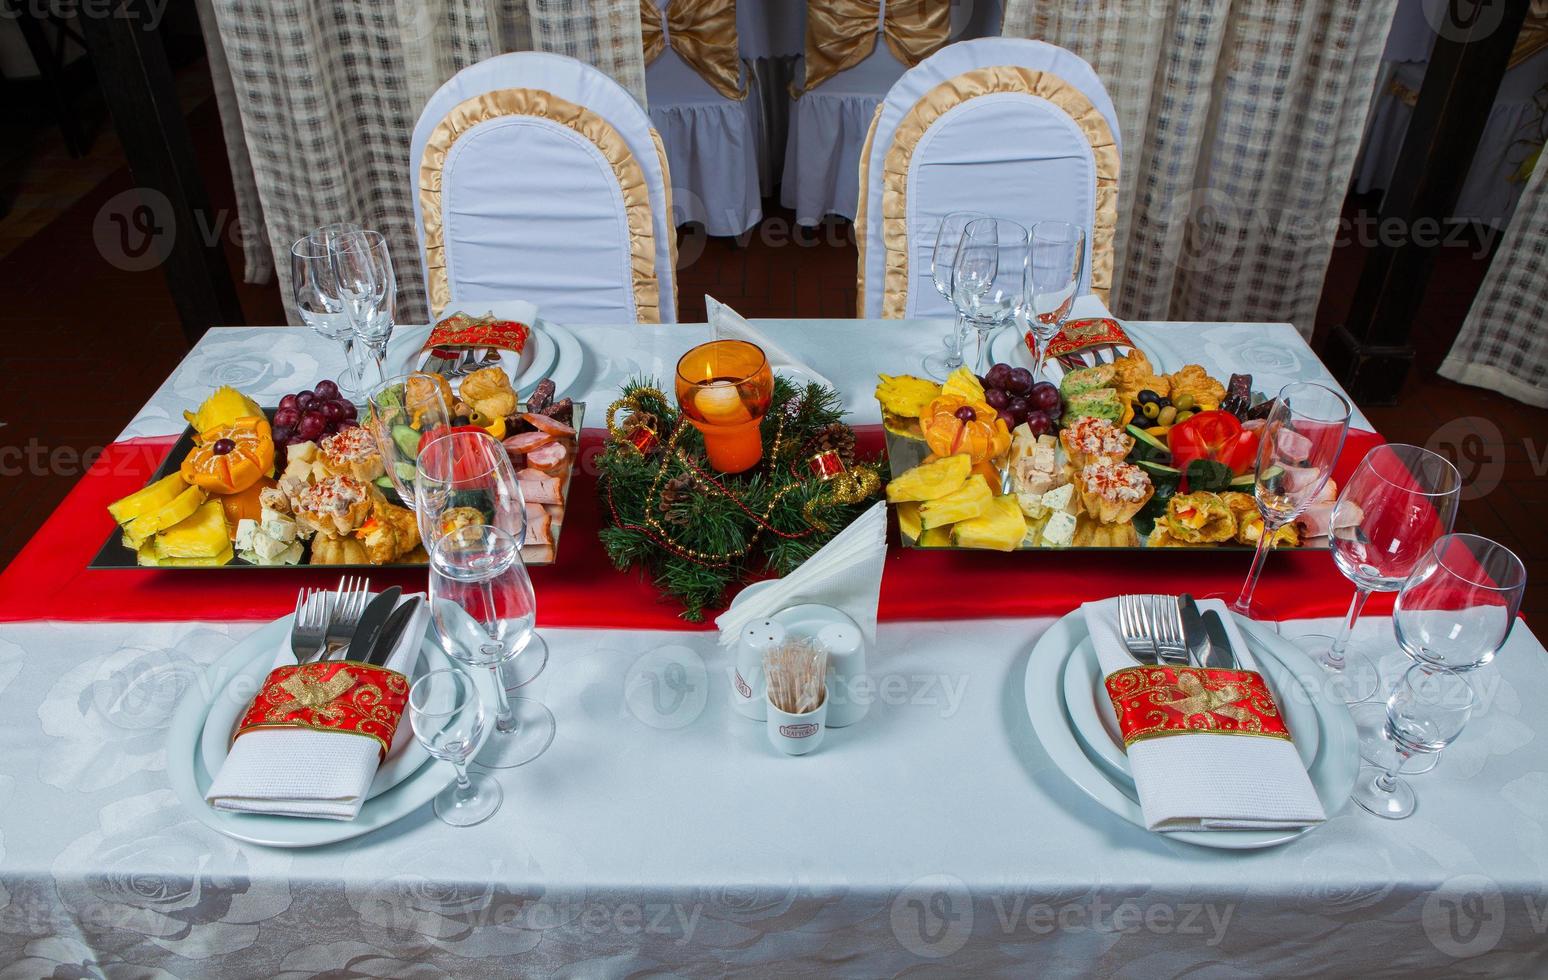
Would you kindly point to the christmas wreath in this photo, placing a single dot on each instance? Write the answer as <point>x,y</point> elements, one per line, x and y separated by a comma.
<point>696,531</point>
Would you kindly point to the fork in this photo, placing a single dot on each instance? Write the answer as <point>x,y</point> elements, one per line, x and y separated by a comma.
<point>1168,630</point>
<point>353,593</point>
<point>309,628</point>
<point>1134,625</point>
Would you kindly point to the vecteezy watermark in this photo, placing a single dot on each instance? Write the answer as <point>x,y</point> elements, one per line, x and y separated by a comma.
<point>1475,446</point>
<point>1465,916</point>
<point>932,917</point>
<point>134,229</point>
<point>667,687</point>
<point>148,12</point>
<point>1462,20</point>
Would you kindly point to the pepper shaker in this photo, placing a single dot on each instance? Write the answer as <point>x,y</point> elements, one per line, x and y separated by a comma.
<point>747,683</point>
<point>846,666</point>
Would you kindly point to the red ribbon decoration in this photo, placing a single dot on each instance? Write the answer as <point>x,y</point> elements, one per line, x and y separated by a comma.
<point>460,330</point>
<point>336,696</point>
<point>1154,702</point>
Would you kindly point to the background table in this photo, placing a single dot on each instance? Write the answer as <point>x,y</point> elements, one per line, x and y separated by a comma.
<point>660,833</point>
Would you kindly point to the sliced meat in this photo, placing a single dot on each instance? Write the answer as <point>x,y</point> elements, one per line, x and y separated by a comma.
<point>562,411</point>
<point>539,487</point>
<point>549,425</point>
<point>526,442</point>
<point>539,525</point>
<point>538,554</point>
<point>542,396</point>
<point>552,458</point>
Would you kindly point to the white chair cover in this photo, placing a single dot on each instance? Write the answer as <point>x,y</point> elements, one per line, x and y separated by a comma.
<point>531,209</point>
<point>711,145</point>
<point>1008,154</point>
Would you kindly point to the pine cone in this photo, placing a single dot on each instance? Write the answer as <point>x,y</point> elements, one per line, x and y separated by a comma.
<point>838,438</point>
<point>678,489</point>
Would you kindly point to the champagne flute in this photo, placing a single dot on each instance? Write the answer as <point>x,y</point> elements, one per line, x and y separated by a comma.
<point>1397,504</point>
<point>947,238</point>
<point>1057,256</point>
<point>316,292</point>
<point>448,719</point>
<point>368,287</point>
<point>405,412</point>
<point>989,278</point>
<point>1427,711</point>
<point>484,610</point>
<point>1298,446</point>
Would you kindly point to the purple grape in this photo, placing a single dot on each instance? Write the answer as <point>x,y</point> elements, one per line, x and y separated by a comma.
<point>1039,423</point>
<point>311,426</point>
<point>286,418</point>
<point>1044,398</point>
<point>996,398</point>
<point>289,401</point>
<point>350,412</point>
<point>1019,382</point>
<point>304,399</point>
<point>282,434</point>
<point>343,424</point>
<point>997,376</point>
<point>332,411</point>
<point>326,390</point>
<point>1018,407</point>
<point>1008,419</point>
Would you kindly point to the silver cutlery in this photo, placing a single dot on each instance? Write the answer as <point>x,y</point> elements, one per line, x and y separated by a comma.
<point>351,596</point>
<point>1221,654</point>
<point>369,628</point>
<point>1169,630</point>
<point>309,629</point>
<point>392,632</point>
<point>1194,634</point>
<point>1150,629</point>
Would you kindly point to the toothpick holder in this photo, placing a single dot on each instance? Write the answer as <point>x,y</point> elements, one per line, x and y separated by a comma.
<point>795,734</point>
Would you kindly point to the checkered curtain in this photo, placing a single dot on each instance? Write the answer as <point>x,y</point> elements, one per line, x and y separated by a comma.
<point>323,97</point>
<point>1240,122</point>
<point>1503,344</point>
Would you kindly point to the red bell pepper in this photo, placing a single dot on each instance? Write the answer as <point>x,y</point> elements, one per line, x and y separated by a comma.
<point>435,432</point>
<point>1217,436</point>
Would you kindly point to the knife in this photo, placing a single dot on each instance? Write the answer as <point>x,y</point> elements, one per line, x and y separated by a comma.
<point>371,623</point>
<point>392,632</point>
<point>1220,653</point>
<point>1194,635</point>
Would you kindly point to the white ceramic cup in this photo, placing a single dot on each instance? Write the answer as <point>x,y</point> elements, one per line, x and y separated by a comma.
<point>795,734</point>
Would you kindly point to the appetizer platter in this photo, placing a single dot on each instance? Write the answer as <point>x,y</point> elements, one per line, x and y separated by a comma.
<point>1116,454</point>
<point>306,482</point>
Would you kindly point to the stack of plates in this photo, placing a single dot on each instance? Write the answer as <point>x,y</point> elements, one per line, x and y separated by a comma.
<point>1074,721</point>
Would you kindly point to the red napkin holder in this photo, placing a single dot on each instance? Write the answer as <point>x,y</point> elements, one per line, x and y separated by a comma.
<point>1155,702</point>
<point>336,696</point>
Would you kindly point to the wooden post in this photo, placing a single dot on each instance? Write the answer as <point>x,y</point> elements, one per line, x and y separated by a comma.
<point>1371,353</point>
<point>174,216</point>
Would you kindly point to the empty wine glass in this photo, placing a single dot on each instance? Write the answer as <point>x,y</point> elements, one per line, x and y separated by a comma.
<point>989,278</point>
<point>1427,710</point>
<point>1400,500</point>
<point>368,288</point>
<point>405,412</point>
<point>947,238</point>
<point>316,292</point>
<point>484,610</point>
<point>466,477</point>
<point>448,719</point>
<point>1298,446</point>
<point>1057,255</point>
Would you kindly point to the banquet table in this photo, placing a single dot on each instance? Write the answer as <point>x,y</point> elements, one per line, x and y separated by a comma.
<point>660,834</point>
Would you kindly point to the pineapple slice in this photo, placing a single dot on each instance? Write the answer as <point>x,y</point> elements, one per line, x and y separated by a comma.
<point>965,383</point>
<point>1000,527</point>
<point>147,556</point>
<point>905,396</point>
<point>929,481</point>
<point>967,502</point>
<point>201,535</point>
<point>908,520</point>
<point>178,509</point>
<point>935,537</point>
<point>151,497</point>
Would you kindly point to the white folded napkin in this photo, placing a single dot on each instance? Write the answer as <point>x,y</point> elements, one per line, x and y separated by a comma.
<point>727,324</point>
<point>1210,781</point>
<point>298,772</point>
<point>845,573</point>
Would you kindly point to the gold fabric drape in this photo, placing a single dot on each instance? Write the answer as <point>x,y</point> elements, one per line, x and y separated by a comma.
<point>703,32</point>
<point>936,103</point>
<point>841,33</point>
<point>545,105</point>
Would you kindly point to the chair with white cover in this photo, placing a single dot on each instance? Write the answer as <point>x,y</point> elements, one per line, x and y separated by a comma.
<point>1014,128</point>
<point>704,111</point>
<point>540,178</point>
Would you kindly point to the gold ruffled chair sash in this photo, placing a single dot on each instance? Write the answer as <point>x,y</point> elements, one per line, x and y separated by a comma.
<point>935,104</point>
<point>842,33</point>
<point>544,105</point>
<point>703,32</point>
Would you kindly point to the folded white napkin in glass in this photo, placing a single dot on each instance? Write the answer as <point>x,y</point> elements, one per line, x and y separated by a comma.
<point>845,573</point>
<point>298,772</point>
<point>1210,780</point>
<point>727,324</point>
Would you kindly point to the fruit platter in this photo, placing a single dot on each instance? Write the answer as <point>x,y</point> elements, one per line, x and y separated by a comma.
<point>317,480</point>
<point>1113,455</point>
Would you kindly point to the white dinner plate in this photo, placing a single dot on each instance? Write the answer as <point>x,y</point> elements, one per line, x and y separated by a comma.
<point>1332,771</point>
<point>190,778</point>
<point>403,759</point>
<point>1091,713</point>
<point>569,358</point>
<point>1008,347</point>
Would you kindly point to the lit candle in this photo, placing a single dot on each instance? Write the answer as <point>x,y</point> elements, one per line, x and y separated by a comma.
<point>720,402</point>
<point>724,388</point>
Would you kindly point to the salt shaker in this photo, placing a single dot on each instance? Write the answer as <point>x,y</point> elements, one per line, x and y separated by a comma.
<point>747,684</point>
<point>846,666</point>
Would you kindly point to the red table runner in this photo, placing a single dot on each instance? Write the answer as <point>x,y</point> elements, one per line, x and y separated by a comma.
<point>49,580</point>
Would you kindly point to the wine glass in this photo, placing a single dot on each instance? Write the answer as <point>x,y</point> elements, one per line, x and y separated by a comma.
<point>1057,255</point>
<point>466,477</point>
<point>484,609</point>
<point>1400,500</point>
<point>988,278</point>
<point>316,292</point>
<point>947,237</point>
<point>448,719</point>
<point>405,412</point>
<point>1427,710</point>
<point>1298,446</point>
<point>368,288</point>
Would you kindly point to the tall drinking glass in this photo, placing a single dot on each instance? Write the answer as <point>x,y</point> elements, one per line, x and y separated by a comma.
<point>942,257</point>
<point>1057,259</point>
<point>448,719</point>
<point>484,610</point>
<point>989,278</point>
<point>316,292</point>
<point>1297,449</point>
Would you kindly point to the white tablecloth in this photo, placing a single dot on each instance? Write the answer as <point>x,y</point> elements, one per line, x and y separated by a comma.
<point>660,834</point>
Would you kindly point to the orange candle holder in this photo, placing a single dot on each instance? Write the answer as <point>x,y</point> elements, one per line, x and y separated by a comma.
<point>724,389</point>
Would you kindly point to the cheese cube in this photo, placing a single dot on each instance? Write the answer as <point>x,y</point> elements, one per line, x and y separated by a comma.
<point>1061,499</point>
<point>1032,505</point>
<point>1059,531</point>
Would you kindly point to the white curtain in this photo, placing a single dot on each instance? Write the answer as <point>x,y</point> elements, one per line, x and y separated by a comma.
<point>1241,120</point>
<point>1503,344</point>
<point>319,101</point>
